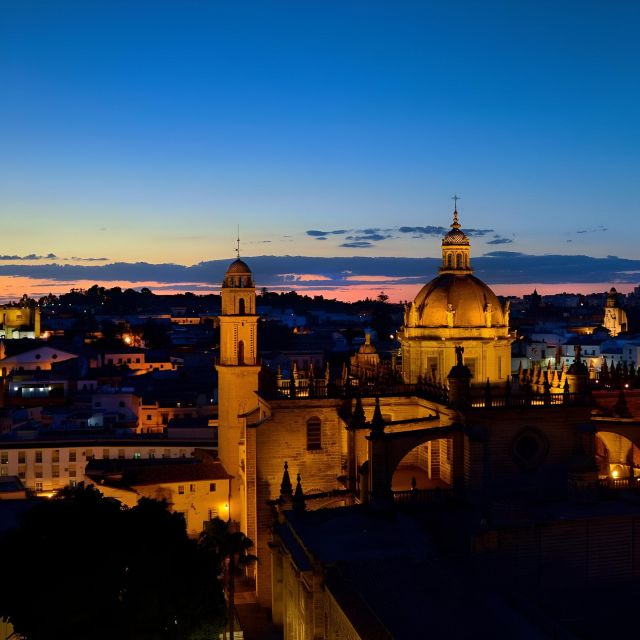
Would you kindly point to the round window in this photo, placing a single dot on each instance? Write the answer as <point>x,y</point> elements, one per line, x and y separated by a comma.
<point>530,448</point>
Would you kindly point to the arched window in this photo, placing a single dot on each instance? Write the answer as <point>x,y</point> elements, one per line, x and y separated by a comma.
<point>314,434</point>
<point>459,260</point>
<point>241,306</point>
<point>450,260</point>
<point>241,352</point>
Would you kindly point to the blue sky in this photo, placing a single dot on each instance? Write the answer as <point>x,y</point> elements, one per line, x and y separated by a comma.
<point>145,131</point>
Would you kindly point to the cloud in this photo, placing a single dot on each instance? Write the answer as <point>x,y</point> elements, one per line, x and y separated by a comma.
<point>372,237</point>
<point>598,229</point>
<point>495,267</point>
<point>424,231</point>
<point>31,256</point>
<point>323,234</point>
<point>440,231</point>
<point>358,244</point>
<point>77,259</point>
<point>504,254</point>
<point>500,241</point>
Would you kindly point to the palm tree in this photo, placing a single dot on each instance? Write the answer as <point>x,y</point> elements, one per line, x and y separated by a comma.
<point>231,551</point>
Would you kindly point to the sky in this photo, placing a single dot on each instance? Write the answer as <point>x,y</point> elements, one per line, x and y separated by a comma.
<point>146,132</point>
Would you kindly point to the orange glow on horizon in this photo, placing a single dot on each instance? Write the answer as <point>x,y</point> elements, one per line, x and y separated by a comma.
<point>13,287</point>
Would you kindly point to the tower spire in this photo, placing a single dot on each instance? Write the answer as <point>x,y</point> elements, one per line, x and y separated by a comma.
<point>238,244</point>
<point>456,222</point>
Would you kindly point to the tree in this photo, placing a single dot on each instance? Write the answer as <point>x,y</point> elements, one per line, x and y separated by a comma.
<point>82,566</point>
<point>231,549</point>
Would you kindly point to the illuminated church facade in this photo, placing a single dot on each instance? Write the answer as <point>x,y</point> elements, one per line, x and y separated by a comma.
<point>456,309</point>
<point>454,413</point>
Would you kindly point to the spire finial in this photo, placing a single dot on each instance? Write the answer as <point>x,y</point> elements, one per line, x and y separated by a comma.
<point>238,243</point>
<point>456,223</point>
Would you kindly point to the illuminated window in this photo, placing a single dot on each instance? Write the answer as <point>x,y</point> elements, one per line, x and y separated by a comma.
<point>89,454</point>
<point>213,513</point>
<point>38,486</point>
<point>181,489</point>
<point>4,457</point>
<point>314,434</point>
<point>137,455</point>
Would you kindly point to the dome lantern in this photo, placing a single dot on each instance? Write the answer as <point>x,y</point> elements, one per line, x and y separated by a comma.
<point>456,249</point>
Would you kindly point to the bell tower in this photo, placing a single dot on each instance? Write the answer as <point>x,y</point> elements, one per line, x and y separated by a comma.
<point>238,371</point>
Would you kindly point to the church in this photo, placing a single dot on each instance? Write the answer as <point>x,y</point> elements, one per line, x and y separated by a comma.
<point>478,434</point>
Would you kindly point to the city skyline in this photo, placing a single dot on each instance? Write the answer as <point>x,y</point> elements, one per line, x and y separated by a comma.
<point>147,133</point>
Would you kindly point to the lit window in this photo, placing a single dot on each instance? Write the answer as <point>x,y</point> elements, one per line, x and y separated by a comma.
<point>137,455</point>
<point>4,457</point>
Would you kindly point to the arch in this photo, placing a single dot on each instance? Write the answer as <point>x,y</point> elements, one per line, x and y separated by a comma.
<point>450,260</point>
<point>314,433</point>
<point>241,307</point>
<point>240,351</point>
<point>459,260</point>
<point>426,466</point>
<point>616,455</point>
<point>387,451</point>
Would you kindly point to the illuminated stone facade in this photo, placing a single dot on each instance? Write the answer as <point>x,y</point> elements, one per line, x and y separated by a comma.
<point>456,309</point>
<point>615,318</point>
<point>238,370</point>
<point>19,322</point>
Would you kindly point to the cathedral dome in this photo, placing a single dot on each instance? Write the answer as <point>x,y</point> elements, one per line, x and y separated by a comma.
<point>238,267</point>
<point>467,297</point>
<point>366,347</point>
<point>455,236</point>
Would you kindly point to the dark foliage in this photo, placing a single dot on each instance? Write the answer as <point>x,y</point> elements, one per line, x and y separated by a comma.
<point>80,567</point>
